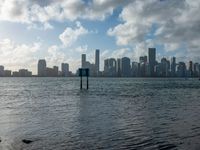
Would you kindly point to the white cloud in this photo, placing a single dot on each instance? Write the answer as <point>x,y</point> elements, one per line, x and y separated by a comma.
<point>178,24</point>
<point>55,56</point>
<point>15,56</point>
<point>43,11</point>
<point>70,35</point>
<point>82,49</point>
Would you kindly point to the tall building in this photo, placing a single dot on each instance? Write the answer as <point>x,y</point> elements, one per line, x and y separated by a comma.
<point>152,60</point>
<point>191,68</point>
<point>165,67</point>
<point>1,71</point>
<point>83,61</point>
<point>97,62</point>
<point>118,67</point>
<point>65,69</point>
<point>55,71</point>
<point>135,69</point>
<point>110,67</point>
<point>196,70</point>
<point>42,68</point>
<point>125,67</point>
<point>173,66</point>
<point>181,69</point>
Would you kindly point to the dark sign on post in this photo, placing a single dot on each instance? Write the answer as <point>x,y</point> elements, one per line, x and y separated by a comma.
<point>83,72</point>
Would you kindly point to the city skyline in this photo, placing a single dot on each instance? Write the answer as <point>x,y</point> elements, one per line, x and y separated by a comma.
<point>61,30</point>
<point>146,66</point>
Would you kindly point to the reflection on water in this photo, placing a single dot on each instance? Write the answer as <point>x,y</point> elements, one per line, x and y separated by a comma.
<point>112,114</point>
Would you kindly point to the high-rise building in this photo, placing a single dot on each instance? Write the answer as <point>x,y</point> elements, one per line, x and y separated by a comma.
<point>173,66</point>
<point>42,68</point>
<point>1,71</point>
<point>152,60</point>
<point>65,69</point>
<point>83,61</point>
<point>181,69</point>
<point>125,67</point>
<point>165,67</point>
<point>118,67</point>
<point>97,62</point>
<point>55,71</point>
<point>191,68</point>
<point>135,69</point>
<point>110,67</point>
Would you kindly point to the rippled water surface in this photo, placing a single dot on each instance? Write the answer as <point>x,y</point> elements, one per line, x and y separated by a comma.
<point>113,114</point>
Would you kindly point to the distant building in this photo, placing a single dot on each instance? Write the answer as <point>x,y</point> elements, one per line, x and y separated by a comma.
<point>49,72</point>
<point>196,70</point>
<point>110,66</point>
<point>190,69</point>
<point>15,74</point>
<point>152,60</point>
<point>135,69</point>
<point>65,69</point>
<point>125,67</point>
<point>55,71</point>
<point>173,66</point>
<point>165,67</point>
<point>118,67</point>
<point>97,61</point>
<point>1,71</point>
<point>181,69</point>
<point>7,73</point>
<point>24,73</point>
<point>42,68</point>
<point>83,61</point>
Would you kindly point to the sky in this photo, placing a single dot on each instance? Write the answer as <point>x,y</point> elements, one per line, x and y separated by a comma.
<point>61,30</point>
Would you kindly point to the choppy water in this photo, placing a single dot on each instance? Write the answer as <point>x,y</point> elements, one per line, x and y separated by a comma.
<point>113,114</point>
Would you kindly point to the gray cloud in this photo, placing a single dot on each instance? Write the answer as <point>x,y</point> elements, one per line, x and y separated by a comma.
<point>177,22</point>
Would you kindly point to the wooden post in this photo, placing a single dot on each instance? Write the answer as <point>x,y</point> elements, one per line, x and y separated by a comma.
<point>87,83</point>
<point>81,86</point>
<point>84,72</point>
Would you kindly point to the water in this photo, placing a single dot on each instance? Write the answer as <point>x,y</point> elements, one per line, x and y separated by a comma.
<point>113,114</point>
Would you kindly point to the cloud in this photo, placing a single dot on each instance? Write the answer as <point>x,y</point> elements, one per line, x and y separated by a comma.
<point>56,56</point>
<point>15,56</point>
<point>44,11</point>
<point>70,35</point>
<point>176,23</point>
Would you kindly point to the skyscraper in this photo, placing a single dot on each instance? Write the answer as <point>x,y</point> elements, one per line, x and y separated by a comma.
<point>55,71</point>
<point>83,60</point>
<point>173,66</point>
<point>126,67</point>
<point>42,68</point>
<point>1,71</point>
<point>110,67</point>
<point>191,68</point>
<point>65,69</point>
<point>152,60</point>
<point>181,69</point>
<point>118,67</point>
<point>97,61</point>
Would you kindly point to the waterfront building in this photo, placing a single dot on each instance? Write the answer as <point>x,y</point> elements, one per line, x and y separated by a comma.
<point>42,68</point>
<point>152,60</point>
<point>65,69</point>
